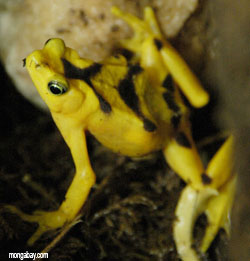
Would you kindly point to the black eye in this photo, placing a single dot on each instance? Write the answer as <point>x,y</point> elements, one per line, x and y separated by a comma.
<point>57,88</point>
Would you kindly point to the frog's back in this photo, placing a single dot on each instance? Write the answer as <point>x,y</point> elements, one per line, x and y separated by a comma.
<point>128,87</point>
<point>136,116</point>
<point>118,85</point>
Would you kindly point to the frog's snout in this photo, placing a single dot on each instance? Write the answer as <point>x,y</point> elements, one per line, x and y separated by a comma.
<point>54,47</point>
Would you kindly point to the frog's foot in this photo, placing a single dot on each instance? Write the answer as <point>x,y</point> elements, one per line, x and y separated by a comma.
<point>214,199</point>
<point>219,171</point>
<point>190,205</point>
<point>218,213</point>
<point>142,28</point>
<point>47,221</point>
<point>216,206</point>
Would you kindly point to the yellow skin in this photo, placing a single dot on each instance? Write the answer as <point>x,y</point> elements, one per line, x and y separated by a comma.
<point>132,105</point>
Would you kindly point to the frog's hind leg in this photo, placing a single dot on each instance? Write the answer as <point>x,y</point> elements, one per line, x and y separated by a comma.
<point>214,198</point>
<point>182,156</point>
<point>220,170</point>
<point>218,213</point>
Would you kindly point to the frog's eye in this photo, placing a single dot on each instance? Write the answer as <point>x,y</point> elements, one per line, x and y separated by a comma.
<point>57,88</point>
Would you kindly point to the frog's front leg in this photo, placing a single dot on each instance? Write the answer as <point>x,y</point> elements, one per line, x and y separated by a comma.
<point>76,195</point>
<point>84,177</point>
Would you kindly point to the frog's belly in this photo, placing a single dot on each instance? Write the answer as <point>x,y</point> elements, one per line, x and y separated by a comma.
<point>129,139</point>
<point>133,145</point>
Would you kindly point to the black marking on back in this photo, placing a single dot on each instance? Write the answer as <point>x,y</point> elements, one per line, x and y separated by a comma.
<point>133,70</point>
<point>158,44</point>
<point>126,53</point>
<point>169,99</point>
<point>105,106</point>
<point>73,72</point>
<point>206,180</point>
<point>148,125</point>
<point>127,91</point>
<point>182,140</point>
<point>168,83</point>
<point>175,120</point>
<point>85,74</point>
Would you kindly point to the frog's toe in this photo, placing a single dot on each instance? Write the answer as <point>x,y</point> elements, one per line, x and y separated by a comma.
<point>47,221</point>
<point>218,213</point>
<point>190,205</point>
<point>142,28</point>
<point>148,25</point>
<point>39,232</point>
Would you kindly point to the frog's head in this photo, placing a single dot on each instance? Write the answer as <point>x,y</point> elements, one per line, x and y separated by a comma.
<point>46,69</point>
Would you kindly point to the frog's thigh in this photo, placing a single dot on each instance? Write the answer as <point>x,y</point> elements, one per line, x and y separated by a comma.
<point>182,156</point>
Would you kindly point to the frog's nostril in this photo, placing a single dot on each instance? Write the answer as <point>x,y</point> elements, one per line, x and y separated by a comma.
<point>47,41</point>
<point>24,62</point>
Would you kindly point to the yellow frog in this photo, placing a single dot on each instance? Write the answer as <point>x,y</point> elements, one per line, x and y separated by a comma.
<point>131,103</point>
